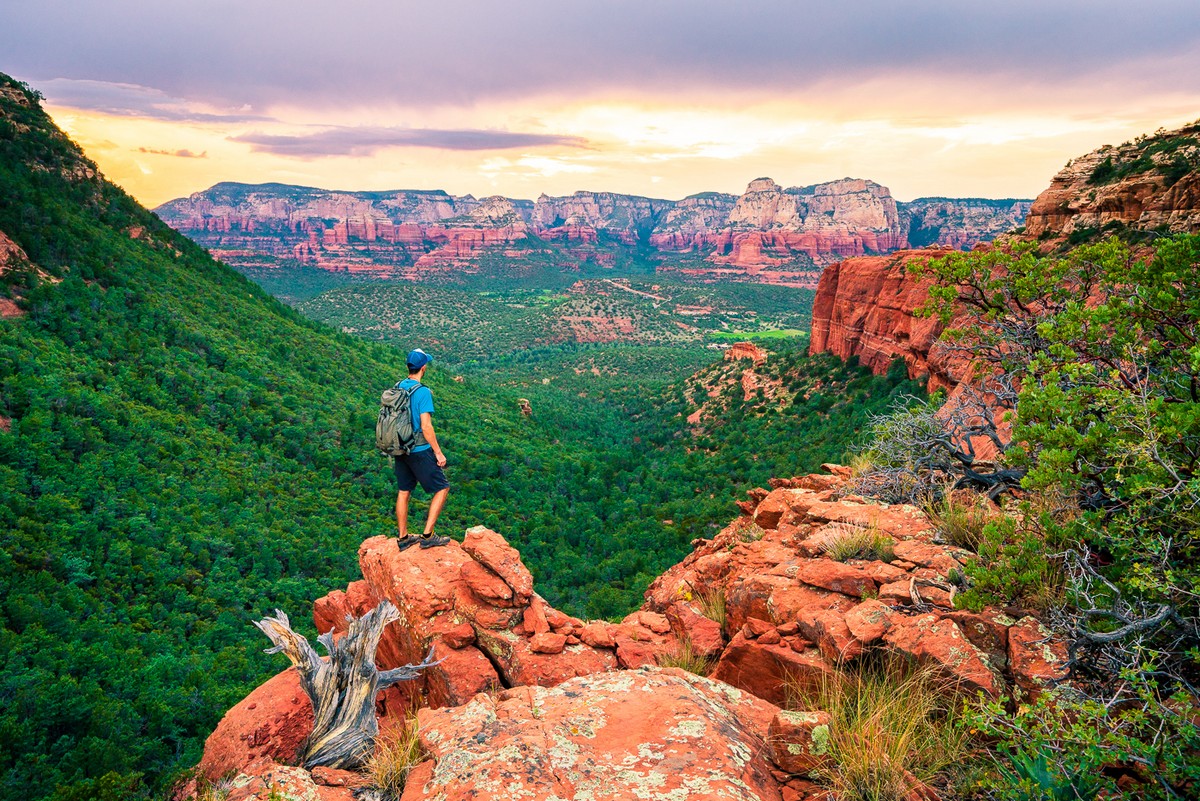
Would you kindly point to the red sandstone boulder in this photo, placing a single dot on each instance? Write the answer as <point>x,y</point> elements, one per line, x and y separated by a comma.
<point>492,551</point>
<point>689,625</point>
<point>835,577</point>
<point>869,621</point>
<point>265,779</point>
<point>767,669</point>
<point>548,643</point>
<point>941,644</point>
<point>474,604</point>
<point>270,723</point>
<point>597,634</point>
<point>649,733</point>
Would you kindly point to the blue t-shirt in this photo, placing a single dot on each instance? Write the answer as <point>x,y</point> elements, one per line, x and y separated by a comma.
<point>422,401</point>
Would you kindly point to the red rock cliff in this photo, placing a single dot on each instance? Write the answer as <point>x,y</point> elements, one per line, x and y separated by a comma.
<point>866,307</point>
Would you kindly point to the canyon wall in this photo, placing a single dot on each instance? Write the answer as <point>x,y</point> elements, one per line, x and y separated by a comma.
<point>769,233</point>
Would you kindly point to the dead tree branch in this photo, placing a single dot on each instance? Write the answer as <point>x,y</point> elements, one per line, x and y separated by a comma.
<point>343,687</point>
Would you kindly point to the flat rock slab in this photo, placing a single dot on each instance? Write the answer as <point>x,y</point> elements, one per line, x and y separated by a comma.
<point>650,734</point>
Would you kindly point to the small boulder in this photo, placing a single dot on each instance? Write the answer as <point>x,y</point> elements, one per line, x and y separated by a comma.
<point>534,618</point>
<point>487,585</point>
<point>597,634</point>
<point>798,742</point>
<point>548,643</point>
<point>869,621</point>
<point>940,642</point>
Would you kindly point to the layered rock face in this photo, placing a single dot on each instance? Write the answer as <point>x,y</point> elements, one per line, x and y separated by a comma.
<point>580,216</point>
<point>769,232</point>
<point>1150,184</point>
<point>865,307</point>
<point>959,223</point>
<point>528,702</point>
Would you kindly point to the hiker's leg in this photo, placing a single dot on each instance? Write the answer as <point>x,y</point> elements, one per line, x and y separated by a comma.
<point>435,508</point>
<point>402,512</point>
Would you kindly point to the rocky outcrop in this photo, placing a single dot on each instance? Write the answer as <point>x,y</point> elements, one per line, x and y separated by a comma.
<point>793,616</point>
<point>693,223</point>
<point>867,308</point>
<point>1150,184</point>
<point>529,702</point>
<point>628,218</point>
<point>746,350</point>
<point>648,733</point>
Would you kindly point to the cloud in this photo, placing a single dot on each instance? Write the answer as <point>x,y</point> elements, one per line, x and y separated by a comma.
<point>134,100</point>
<point>183,154</point>
<point>367,140</point>
<point>465,52</point>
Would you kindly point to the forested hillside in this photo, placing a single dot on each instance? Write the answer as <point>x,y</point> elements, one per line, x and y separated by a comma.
<point>180,453</point>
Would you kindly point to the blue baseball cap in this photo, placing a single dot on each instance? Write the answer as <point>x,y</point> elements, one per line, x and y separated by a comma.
<point>418,359</point>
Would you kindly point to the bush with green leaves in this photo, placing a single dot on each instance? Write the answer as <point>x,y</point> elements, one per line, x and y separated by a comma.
<point>1102,349</point>
<point>1065,745</point>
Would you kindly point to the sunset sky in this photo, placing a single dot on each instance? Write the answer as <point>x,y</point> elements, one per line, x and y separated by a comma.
<point>656,97</point>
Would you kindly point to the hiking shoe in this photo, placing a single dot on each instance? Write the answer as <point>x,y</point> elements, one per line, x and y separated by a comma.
<point>404,542</point>
<point>432,540</point>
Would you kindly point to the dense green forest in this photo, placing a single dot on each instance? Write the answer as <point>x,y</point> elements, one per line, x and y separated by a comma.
<point>469,324</point>
<point>180,452</point>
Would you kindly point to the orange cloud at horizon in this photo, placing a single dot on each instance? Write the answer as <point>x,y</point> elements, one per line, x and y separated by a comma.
<point>644,146</point>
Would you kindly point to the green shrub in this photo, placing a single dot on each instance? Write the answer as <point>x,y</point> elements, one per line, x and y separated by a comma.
<point>1059,746</point>
<point>1016,567</point>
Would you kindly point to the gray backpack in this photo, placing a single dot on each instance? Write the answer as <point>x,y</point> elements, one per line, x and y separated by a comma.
<point>394,432</point>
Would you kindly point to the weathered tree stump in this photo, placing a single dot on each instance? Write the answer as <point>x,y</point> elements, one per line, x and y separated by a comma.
<point>342,688</point>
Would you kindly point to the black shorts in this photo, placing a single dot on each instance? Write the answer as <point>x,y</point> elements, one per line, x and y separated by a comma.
<point>420,467</point>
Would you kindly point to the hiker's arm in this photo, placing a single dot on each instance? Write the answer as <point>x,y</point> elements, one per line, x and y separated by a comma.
<point>431,438</point>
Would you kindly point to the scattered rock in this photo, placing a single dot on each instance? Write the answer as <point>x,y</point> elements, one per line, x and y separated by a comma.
<point>1036,658</point>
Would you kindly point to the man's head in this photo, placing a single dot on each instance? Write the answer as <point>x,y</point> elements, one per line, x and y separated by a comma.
<point>417,360</point>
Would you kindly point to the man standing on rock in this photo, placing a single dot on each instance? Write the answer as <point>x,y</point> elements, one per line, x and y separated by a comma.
<point>425,462</point>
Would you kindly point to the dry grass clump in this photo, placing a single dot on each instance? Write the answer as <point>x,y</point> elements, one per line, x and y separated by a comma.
<point>893,729</point>
<point>861,464</point>
<point>686,657</point>
<point>712,604</point>
<point>214,791</point>
<point>396,754</point>
<point>859,542</point>
<point>960,524</point>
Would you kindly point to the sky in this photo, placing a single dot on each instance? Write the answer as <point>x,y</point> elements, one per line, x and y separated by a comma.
<point>663,98</point>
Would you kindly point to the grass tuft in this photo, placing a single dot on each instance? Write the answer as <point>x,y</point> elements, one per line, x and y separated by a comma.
<point>893,726</point>
<point>858,542</point>
<point>396,754</point>
<point>686,657</point>
<point>960,524</point>
<point>861,464</point>
<point>712,604</point>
